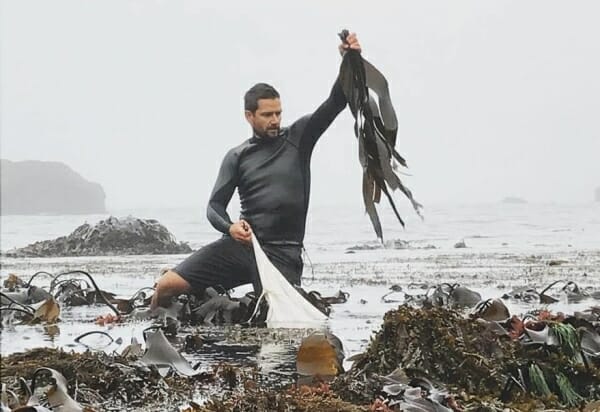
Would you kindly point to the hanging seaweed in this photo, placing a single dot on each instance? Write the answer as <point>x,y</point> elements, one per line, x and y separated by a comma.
<point>376,128</point>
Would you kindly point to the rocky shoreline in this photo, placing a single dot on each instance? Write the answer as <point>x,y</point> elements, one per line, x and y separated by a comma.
<point>435,359</point>
<point>112,236</point>
<point>444,349</point>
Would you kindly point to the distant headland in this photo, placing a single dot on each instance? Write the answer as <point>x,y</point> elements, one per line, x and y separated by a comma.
<point>38,187</point>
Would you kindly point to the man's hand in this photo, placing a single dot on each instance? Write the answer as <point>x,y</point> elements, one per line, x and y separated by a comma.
<point>241,231</point>
<point>351,43</point>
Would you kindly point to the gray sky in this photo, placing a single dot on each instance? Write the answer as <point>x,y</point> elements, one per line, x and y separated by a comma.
<point>494,98</point>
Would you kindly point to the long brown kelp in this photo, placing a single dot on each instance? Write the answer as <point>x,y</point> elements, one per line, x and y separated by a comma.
<point>375,127</point>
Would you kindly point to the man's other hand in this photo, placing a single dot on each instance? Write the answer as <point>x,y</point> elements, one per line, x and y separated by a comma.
<point>351,43</point>
<point>241,231</point>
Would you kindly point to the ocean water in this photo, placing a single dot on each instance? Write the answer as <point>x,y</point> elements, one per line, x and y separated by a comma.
<point>508,245</point>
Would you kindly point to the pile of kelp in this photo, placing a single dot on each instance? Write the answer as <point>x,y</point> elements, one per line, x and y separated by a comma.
<point>22,301</point>
<point>140,375</point>
<point>554,362</point>
<point>427,355</point>
<point>437,360</point>
<point>71,381</point>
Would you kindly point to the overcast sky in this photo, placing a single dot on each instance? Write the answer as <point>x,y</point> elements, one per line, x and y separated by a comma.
<point>494,98</point>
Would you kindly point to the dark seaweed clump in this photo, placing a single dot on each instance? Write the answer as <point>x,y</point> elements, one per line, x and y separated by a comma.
<point>100,379</point>
<point>466,357</point>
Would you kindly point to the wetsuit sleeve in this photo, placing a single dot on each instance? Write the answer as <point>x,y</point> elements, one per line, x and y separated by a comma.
<point>225,185</point>
<point>320,120</point>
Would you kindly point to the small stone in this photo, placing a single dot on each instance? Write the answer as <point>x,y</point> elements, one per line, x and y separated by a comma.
<point>460,245</point>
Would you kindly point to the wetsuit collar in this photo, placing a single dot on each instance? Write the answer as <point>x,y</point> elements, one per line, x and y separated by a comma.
<point>267,140</point>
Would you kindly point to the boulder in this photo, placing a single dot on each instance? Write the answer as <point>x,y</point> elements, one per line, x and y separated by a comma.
<point>36,187</point>
<point>128,236</point>
<point>460,245</point>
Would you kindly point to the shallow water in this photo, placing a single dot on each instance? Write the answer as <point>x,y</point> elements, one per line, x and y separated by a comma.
<point>508,246</point>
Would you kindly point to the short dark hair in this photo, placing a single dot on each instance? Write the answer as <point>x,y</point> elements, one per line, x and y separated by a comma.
<point>257,92</point>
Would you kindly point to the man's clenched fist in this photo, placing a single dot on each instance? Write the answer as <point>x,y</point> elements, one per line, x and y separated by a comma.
<point>241,231</point>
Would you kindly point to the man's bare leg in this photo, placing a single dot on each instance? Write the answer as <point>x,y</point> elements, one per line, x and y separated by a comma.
<point>168,285</point>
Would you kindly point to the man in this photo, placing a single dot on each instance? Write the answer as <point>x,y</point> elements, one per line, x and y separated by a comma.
<point>271,172</point>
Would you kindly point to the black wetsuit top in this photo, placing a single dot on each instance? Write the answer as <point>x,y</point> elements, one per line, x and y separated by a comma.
<point>272,176</point>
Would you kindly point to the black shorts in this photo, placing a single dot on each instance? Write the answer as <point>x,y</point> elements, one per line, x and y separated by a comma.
<point>229,263</point>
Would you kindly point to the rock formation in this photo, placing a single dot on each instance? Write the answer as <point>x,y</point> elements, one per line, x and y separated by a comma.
<point>128,236</point>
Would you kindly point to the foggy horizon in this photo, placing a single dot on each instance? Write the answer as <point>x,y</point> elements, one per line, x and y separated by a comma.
<point>494,99</point>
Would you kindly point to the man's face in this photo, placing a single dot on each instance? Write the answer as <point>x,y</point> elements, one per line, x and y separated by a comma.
<point>266,120</point>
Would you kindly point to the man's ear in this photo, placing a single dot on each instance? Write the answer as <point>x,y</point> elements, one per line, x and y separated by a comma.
<point>249,116</point>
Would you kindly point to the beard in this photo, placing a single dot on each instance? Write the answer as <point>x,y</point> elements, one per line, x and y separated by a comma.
<point>266,133</point>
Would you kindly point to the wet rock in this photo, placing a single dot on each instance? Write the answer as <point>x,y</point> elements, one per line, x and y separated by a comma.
<point>320,354</point>
<point>492,310</point>
<point>463,297</point>
<point>28,296</point>
<point>127,236</point>
<point>460,245</point>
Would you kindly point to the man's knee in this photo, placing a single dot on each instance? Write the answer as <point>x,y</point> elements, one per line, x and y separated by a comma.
<point>168,285</point>
<point>172,283</point>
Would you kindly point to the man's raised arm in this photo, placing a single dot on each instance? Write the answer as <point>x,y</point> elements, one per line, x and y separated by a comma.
<point>322,118</point>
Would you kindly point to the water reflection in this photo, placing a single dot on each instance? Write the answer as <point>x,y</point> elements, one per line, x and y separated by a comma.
<point>272,351</point>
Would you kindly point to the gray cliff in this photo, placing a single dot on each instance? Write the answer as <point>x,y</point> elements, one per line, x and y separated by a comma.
<point>37,187</point>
